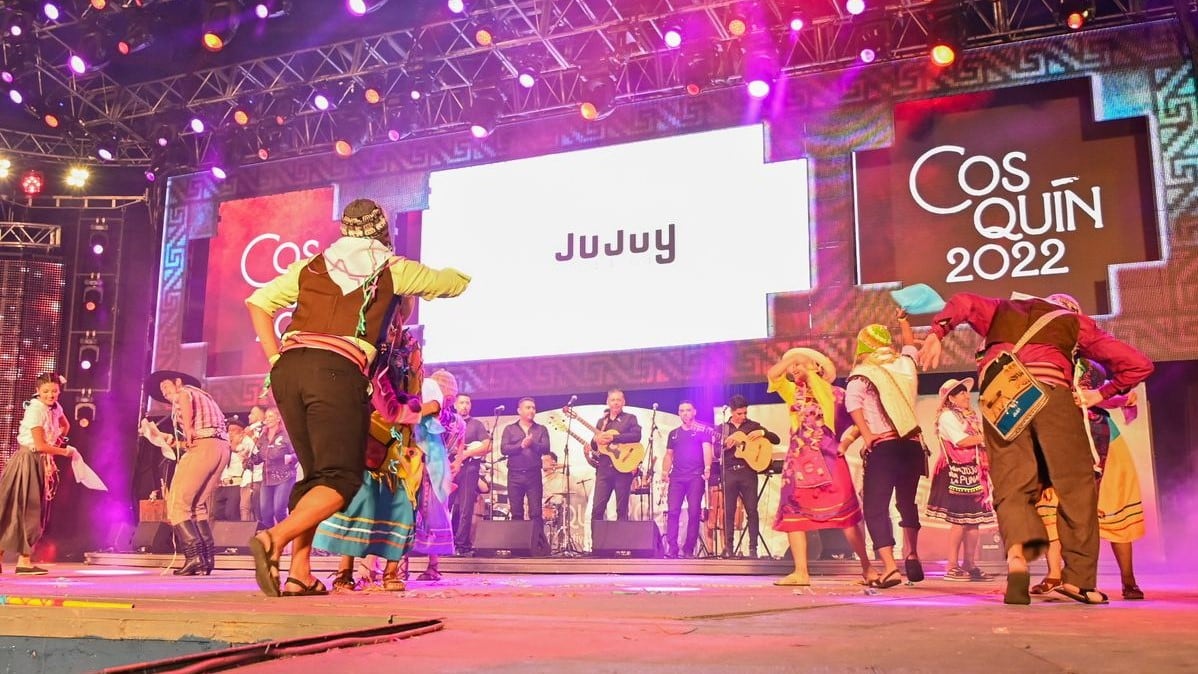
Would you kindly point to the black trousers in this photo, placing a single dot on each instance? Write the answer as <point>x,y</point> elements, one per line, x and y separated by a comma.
<point>525,485</point>
<point>610,481</point>
<point>740,482</point>
<point>689,489</point>
<point>465,498</point>
<point>893,468</point>
<point>322,399</point>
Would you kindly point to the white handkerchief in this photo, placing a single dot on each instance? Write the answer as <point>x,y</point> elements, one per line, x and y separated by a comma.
<point>84,474</point>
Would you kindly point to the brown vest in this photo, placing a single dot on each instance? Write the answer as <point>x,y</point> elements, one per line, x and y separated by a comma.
<point>1014,317</point>
<point>323,308</point>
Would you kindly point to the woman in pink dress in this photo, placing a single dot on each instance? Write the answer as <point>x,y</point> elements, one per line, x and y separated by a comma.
<point>817,488</point>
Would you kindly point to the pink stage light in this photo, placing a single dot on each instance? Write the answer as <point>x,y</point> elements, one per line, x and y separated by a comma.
<point>854,7</point>
<point>759,88</point>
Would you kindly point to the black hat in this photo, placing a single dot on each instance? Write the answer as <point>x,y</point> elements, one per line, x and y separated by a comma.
<point>234,421</point>
<point>154,382</point>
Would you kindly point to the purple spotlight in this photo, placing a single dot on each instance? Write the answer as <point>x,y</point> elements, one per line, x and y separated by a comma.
<point>479,131</point>
<point>456,6</point>
<point>15,30</point>
<point>759,88</point>
<point>162,141</point>
<point>415,94</point>
<point>321,102</point>
<point>104,153</point>
<point>527,80</point>
<point>151,176</point>
<point>51,11</point>
<point>97,248</point>
<point>86,363</point>
<point>356,7</point>
<point>868,55</point>
<point>261,10</point>
<point>77,64</point>
<point>219,173</point>
<point>16,97</point>
<point>392,135</point>
<point>7,76</point>
<point>797,23</point>
<point>673,37</point>
<point>854,7</point>
<point>197,125</point>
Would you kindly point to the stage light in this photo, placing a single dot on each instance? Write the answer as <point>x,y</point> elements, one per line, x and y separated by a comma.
<point>402,123</point>
<point>197,125</point>
<point>7,76</point>
<point>77,64</point>
<point>99,5</point>
<point>106,149</point>
<point>241,116</point>
<point>5,167</point>
<point>272,9</point>
<point>484,34</point>
<point>321,102</point>
<point>85,409</point>
<point>219,172</point>
<point>372,95</point>
<point>456,6</point>
<point>737,25</point>
<point>526,77</point>
<point>598,96</point>
<point>672,36</point>
<point>138,37</point>
<point>483,114</point>
<point>946,32</point>
<point>92,53</point>
<point>854,7</point>
<point>18,23</point>
<point>696,70</point>
<point>15,96</point>
<point>761,71</point>
<point>77,177</point>
<point>1076,13</point>
<point>98,240</point>
<point>93,293</point>
<point>32,183</point>
<point>350,134</point>
<point>363,7</point>
<point>220,22</point>
<point>797,22</point>
<point>51,11</point>
<point>872,31</point>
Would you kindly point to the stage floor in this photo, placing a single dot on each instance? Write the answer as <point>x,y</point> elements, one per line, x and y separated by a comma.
<point>634,622</point>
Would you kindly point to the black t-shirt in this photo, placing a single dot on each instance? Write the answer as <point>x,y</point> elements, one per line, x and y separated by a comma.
<point>688,450</point>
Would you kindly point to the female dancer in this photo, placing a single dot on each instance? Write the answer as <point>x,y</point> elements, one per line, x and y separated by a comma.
<point>24,493</point>
<point>817,489</point>
<point>439,430</point>
<point>960,493</point>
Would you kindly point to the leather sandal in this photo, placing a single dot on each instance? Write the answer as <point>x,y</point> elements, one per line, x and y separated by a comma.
<point>393,583</point>
<point>1132,592</point>
<point>1045,586</point>
<point>315,589</point>
<point>430,573</point>
<point>1082,596</point>
<point>344,581</point>
<point>266,568</point>
<point>889,580</point>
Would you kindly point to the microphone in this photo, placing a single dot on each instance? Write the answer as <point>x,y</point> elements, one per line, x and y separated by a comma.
<point>654,407</point>
<point>573,399</point>
<point>500,408</point>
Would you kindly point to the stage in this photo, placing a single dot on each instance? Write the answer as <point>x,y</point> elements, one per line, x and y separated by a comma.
<point>580,621</point>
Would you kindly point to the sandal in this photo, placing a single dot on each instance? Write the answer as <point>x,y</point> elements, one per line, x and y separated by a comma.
<point>403,569</point>
<point>914,570</point>
<point>1082,596</point>
<point>266,568</point>
<point>956,574</point>
<point>430,574</point>
<point>393,584</point>
<point>344,581</point>
<point>1132,592</point>
<point>793,580</point>
<point>1045,586</point>
<point>1017,590</point>
<point>316,588</point>
<point>889,580</point>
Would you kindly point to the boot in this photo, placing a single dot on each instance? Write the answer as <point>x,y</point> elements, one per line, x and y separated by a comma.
<point>188,537</point>
<point>208,553</point>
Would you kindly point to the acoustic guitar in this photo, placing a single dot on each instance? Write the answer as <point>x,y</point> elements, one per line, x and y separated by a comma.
<point>624,456</point>
<point>757,452</point>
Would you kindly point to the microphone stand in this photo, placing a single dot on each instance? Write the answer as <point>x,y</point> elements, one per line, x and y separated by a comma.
<point>652,465</point>
<point>491,467</point>
<point>719,527</point>
<point>571,548</point>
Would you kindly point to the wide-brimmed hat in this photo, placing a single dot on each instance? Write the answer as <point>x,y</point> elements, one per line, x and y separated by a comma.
<point>952,384</point>
<point>154,382</point>
<point>827,368</point>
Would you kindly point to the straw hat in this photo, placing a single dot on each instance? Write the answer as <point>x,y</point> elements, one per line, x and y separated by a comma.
<point>827,368</point>
<point>952,384</point>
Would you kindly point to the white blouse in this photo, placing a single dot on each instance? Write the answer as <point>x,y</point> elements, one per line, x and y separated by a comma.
<point>38,414</point>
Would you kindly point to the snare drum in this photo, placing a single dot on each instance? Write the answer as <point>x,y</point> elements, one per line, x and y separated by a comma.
<point>550,512</point>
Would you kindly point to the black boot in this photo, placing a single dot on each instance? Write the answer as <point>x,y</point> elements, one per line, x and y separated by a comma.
<point>208,553</point>
<point>188,538</point>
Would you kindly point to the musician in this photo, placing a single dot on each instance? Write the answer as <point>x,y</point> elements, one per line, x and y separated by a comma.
<point>228,496</point>
<point>740,480</point>
<point>202,438</point>
<point>615,426</point>
<point>687,467</point>
<point>524,443</point>
<point>466,467</point>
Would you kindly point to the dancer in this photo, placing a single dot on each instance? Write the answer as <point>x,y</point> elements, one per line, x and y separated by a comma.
<point>201,441</point>
<point>880,397</point>
<point>817,489</point>
<point>439,428</point>
<point>25,491</point>
<point>1055,436</point>
<point>960,493</point>
<point>318,374</point>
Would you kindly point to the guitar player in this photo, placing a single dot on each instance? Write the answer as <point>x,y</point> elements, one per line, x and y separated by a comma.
<point>740,480</point>
<point>524,442</point>
<point>687,467</point>
<point>616,426</point>
<point>476,441</point>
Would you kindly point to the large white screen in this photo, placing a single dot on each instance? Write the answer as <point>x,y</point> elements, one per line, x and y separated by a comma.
<point>739,232</point>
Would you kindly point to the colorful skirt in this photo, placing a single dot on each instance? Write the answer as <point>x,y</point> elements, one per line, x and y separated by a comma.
<point>378,521</point>
<point>959,495</point>
<point>1120,508</point>
<point>817,489</point>
<point>434,528</point>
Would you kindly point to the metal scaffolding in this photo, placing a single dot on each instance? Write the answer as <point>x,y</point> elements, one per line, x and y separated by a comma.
<point>563,41</point>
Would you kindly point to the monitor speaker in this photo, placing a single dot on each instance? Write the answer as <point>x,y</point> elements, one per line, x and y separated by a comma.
<point>625,539</point>
<point>504,538</point>
<point>153,537</point>
<point>233,537</point>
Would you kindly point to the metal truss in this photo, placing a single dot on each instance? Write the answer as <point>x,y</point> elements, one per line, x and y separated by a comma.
<point>29,236</point>
<point>565,41</point>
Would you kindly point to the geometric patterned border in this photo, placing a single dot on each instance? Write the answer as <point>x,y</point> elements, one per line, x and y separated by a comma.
<point>1135,71</point>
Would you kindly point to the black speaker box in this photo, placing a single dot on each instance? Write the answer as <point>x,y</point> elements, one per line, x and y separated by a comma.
<point>503,538</point>
<point>625,539</point>
<point>233,537</point>
<point>154,537</point>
